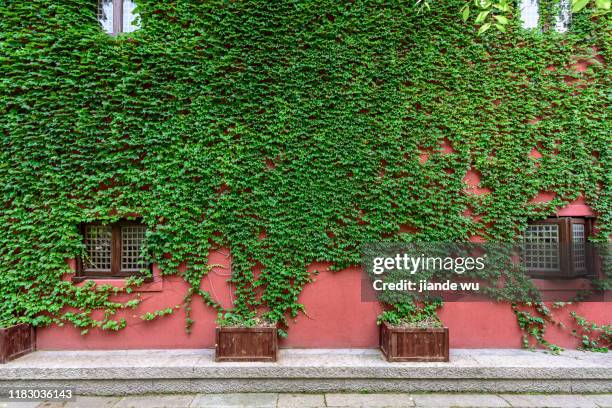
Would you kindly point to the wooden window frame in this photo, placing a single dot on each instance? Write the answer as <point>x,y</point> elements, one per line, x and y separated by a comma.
<point>566,249</point>
<point>117,17</point>
<point>116,250</point>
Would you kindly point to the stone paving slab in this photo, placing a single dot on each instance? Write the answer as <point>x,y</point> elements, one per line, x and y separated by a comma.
<point>19,404</point>
<point>370,400</point>
<point>84,402</point>
<point>160,401</point>
<point>552,401</point>
<point>244,400</point>
<point>601,400</point>
<point>458,400</point>
<point>301,400</point>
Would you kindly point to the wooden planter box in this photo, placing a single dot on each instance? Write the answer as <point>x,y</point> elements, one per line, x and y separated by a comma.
<point>402,344</point>
<point>15,341</point>
<point>246,344</point>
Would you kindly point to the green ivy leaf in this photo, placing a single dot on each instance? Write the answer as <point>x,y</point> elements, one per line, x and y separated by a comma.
<point>484,28</point>
<point>578,5</point>
<point>501,19</point>
<point>466,13</point>
<point>482,16</point>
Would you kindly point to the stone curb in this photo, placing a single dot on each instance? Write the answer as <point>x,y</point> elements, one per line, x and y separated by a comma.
<point>194,371</point>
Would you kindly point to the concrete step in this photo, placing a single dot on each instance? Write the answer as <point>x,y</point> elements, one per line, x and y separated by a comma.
<point>121,372</point>
<point>343,400</point>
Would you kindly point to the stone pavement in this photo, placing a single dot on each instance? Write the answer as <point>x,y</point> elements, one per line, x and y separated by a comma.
<point>273,400</point>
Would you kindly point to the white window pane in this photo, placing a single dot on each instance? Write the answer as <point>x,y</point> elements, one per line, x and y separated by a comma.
<point>98,245</point>
<point>541,247</point>
<point>105,15</point>
<point>530,13</point>
<point>564,17</point>
<point>129,17</point>
<point>578,239</point>
<point>132,240</point>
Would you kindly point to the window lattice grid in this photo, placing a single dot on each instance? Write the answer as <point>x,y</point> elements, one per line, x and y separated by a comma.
<point>98,239</point>
<point>541,244</point>
<point>564,16</point>
<point>105,15</point>
<point>578,241</point>
<point>132,241</point>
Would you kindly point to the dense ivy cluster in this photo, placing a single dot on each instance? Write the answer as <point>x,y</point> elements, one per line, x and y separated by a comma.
<point>291,131</point>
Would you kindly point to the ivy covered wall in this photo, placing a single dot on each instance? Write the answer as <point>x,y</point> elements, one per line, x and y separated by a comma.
<point>289,131</point>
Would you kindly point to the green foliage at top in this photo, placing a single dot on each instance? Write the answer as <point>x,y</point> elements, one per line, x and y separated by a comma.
<point>290,131</point>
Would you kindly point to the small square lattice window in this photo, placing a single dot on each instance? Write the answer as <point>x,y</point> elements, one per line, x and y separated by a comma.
<point>542,247</point>
<point>113,250</point>
<point>579,244</point>
<point>558,248</point>
<point>132,239</point>
<point>98,240</point>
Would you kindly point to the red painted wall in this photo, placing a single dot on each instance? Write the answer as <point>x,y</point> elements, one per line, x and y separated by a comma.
<point>336,316</point>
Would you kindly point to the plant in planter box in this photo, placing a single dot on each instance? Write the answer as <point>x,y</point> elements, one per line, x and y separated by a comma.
<point>245,339</point>
<point>412,332</point>
<point>16,340</point>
